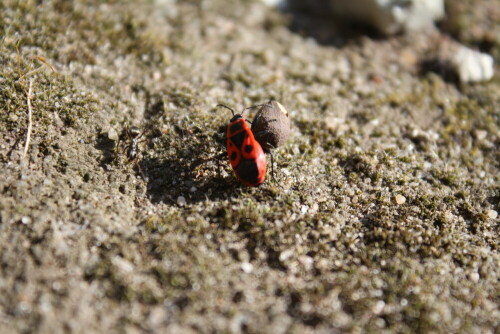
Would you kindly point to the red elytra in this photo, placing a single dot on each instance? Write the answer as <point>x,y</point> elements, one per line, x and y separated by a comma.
<point>244,152</point>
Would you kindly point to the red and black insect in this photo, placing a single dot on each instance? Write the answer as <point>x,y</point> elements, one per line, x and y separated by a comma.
<point>244,152</point>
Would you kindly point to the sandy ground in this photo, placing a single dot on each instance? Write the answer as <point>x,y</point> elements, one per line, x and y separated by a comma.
<point>384,216</point>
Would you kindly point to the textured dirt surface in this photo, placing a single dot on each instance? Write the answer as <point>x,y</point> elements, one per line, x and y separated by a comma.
<point>384,218</point>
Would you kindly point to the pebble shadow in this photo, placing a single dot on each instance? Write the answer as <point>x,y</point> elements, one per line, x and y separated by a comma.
<point>440,67</point>
<point>107,147</point>
<point>313,19</point>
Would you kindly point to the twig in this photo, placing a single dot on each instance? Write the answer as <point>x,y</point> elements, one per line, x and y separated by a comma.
<point>30,123</point>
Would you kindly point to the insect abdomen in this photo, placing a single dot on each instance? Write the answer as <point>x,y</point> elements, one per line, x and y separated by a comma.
<point>245,154</point>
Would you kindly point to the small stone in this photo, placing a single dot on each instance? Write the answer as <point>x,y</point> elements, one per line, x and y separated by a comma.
<point>112,134</point>
<point>492,214</point>
<point>400,199</point>
<point>474,277</point>
<point>285,255</point>
<point>481,134</point>
<point>378,307</point>
<point>181,200</point>
<point>472,66</point>
<point>306,261</point>
<point>26,220</point>
<point>247,267</point>
<point>271,3</point>
<point>122,265</point>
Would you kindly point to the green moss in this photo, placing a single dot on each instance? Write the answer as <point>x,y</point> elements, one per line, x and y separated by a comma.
<point>54,99</point>
<point>448,178</point>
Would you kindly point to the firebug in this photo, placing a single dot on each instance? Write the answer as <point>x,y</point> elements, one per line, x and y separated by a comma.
<point>245,154</point>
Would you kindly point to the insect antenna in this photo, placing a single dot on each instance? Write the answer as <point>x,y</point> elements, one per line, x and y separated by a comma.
<point>256,106</point>
<point>224,106</point>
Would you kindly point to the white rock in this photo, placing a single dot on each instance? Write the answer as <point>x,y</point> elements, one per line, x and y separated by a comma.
<point>417,15</point>
<point>474,277</point>
<point>472,66</point>
<point>306,261</point>
<point>492,214</point>
<point>112,134</point>
<point>181,200</point>
<point>122,265</point>
<point>400,199</point>
<point>285,255</point>
<point>247,267</point>
<point>378,307</point>
<point>272,3</point>
<point>481,134</point>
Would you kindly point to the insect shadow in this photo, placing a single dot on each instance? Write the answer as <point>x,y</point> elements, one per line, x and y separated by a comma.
<point>107,147</point>
<point>193,170</point>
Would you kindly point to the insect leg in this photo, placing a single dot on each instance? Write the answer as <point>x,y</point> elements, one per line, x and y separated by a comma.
<point>219,158</point>
<point>139,168</point>
<point>272,165</point>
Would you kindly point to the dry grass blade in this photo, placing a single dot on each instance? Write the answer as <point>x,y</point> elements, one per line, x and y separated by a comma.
<point>44,62</point>
<point>30,121</point>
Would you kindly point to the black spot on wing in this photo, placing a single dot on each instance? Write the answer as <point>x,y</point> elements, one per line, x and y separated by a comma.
<point>248,148</point>
<point>234,155</point>
<point>247,170</point>
<point>238,138</point>
<point>235,127</point>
